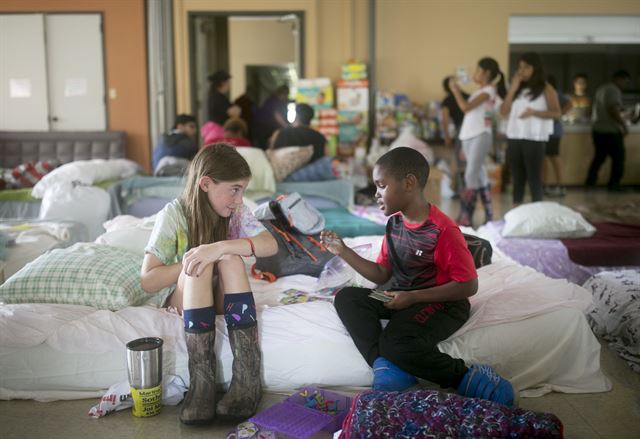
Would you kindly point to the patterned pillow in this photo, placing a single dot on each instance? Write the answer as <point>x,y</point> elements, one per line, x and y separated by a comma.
<point>28,174</point>
<point>84,274</point>
<point>288,159</point>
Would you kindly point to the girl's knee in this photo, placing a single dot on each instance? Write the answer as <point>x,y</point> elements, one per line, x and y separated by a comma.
<point>230,263</point>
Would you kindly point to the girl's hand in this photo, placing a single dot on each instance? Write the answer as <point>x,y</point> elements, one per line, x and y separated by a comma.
<point>401,299</point>
<point>527,113</point>
<point>332,242</point>
<point>196,260</point>
<point>453,84</point>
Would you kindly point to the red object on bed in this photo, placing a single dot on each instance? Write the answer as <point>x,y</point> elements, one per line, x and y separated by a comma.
<point>612,245</point>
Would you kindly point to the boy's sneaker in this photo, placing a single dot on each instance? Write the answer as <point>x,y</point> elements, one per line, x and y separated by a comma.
<point>481,381</point>
<point>388,377</point>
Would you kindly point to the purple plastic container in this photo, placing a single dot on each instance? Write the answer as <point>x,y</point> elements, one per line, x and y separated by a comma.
<point>292,418</point>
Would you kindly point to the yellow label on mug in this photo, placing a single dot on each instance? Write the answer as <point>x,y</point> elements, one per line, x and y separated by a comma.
<point>146,402</point>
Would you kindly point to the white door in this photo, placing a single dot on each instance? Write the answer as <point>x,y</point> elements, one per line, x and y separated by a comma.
<point>23,76</point>
<point>76,72</point>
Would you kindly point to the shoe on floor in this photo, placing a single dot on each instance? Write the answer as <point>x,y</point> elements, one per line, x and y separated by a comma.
<point>481,381</point>
<point>390,378</point>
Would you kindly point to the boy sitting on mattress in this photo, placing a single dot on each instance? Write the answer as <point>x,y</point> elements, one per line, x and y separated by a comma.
<point>433,276</point>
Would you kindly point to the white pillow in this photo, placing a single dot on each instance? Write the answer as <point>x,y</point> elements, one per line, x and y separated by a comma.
<point>545,220</point>
<point>133,239</point>
<point>262,179</point>
<point>87,172</point>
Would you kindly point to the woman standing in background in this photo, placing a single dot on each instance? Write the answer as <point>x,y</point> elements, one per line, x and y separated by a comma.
<point>530,106</point>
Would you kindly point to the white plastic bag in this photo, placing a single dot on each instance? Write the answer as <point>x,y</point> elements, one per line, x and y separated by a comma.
<point>88,205</point>
<point>337,273</point>
<point>118,397</point>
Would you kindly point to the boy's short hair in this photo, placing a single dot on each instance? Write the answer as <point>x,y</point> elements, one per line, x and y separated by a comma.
<point>402,161</point>
<point>236,125</point>
<point>304,113</point>
<point>183,119</point>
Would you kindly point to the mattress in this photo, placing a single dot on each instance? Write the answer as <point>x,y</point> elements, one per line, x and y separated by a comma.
<point>548,256</point>
<point>52,352</point>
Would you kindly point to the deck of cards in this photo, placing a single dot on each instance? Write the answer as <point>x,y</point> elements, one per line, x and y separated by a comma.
<point>379,295</point>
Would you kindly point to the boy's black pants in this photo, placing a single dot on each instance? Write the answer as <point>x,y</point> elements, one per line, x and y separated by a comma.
<point>410,339</point>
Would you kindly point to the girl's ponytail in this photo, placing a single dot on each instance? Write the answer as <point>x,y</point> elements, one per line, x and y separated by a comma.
<point>491,65</point>
<point>501,87</point>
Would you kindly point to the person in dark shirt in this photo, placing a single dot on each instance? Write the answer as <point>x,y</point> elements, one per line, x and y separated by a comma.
<point>451,112</point>
<point>220,108</point>
<point>301,133</point>
<point>433,274</point>
<point>247,109</point>
<point>271,116</point>
<point>180,142</point>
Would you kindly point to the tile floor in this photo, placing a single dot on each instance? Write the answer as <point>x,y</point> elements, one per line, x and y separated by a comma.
<point>615,414</point>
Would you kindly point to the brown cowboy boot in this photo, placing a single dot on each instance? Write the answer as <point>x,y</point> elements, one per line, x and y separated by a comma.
<point>242,399</point>
<point>199,406</point>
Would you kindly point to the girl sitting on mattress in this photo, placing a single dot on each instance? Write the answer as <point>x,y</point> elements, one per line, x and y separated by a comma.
<point>195,249</point>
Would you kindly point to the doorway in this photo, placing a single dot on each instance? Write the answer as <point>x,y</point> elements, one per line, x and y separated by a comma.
<point>261,51</point>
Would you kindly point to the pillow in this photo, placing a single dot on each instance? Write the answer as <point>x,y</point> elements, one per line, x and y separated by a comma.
<point>320,170</point>
<point>545,220</point>
<point>262,179</point>
<point>288,159</point>
<point>86,172</point>
<point>86,273</point>
<point>28,174</point>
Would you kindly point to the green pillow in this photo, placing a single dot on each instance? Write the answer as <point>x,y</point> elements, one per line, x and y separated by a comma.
<point>86,273</point>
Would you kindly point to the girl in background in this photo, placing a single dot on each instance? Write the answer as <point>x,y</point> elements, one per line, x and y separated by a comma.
<point>194,258</point>
<point>476,135</point>
<point>530,106</point>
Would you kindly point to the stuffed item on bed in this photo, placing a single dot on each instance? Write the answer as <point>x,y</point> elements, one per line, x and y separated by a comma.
<point>89,274</point>
<point>288,159</point>
<point>615,315</point>
<point>263,181</point>
<point>429,413</point>
<point>545,220</point>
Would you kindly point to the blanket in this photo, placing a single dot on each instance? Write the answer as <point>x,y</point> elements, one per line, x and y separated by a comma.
<point>612,245</point>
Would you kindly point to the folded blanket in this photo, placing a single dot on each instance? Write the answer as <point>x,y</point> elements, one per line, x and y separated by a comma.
<point>430,413</point>
<point>612,245</point>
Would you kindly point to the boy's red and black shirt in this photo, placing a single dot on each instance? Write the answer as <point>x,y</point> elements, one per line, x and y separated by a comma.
<point>425,255</point>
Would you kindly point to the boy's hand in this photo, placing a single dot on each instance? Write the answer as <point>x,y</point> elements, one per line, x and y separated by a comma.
<point>401,299</point>
<point>332,242</point>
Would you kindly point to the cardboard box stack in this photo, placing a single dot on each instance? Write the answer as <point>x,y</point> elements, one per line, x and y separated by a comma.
<point>353,108</point>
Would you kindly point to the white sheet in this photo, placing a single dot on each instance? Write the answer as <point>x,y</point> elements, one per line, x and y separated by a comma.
<point>530,327</point>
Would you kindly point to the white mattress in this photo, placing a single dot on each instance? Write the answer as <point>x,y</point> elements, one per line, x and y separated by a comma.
<point>531,328</point>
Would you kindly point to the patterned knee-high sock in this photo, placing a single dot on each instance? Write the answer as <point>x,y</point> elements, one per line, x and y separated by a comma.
<point>485,196</point>
<point>199,319</point>
<point>240,310</point>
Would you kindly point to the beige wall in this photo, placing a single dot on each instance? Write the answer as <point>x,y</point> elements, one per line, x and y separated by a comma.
<point>419,42</point>
<point>257,41</point>
<point>125,63</point>
<point>343,34</point>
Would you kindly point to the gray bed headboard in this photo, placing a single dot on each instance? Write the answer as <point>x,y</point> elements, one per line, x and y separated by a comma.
<point>18,147</point>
